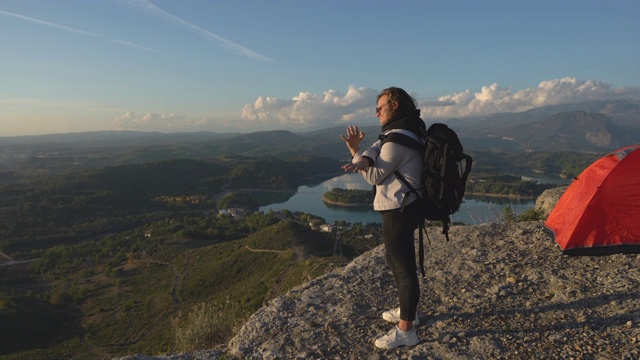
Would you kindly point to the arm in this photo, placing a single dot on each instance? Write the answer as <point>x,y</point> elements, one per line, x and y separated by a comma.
<point>391,157</point>
<point>352,139</point>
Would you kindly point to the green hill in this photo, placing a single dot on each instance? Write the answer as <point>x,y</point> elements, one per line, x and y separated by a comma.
<point>110,308</point>
<point>290,235</point>
<point>259,267</point>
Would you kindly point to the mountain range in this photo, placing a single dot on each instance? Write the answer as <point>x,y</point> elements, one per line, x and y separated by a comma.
<point>593,127</point>
<point>596,126</point>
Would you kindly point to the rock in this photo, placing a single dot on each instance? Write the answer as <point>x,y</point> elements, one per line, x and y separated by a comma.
<point>548,199</point>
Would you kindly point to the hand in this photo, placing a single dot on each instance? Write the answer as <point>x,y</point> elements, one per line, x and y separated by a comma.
<point>363,164</point>
<point>353,138</point>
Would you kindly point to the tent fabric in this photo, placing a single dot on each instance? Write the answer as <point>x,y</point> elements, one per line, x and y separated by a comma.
<point>599,212</point>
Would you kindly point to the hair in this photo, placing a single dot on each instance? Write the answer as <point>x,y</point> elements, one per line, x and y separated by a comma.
<point>398,96</point>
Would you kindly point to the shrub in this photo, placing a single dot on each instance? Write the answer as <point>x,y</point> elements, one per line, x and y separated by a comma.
<point>205,326</point>
<point>531,215</point>
<point>508,215</point>
<point>60,298</point>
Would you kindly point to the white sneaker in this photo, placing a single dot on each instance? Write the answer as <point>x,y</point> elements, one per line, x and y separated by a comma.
<point>393,316</point>
<point>397,337</point>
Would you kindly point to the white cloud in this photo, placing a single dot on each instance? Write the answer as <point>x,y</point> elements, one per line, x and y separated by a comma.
<point>357,105</point>
<point>149,121</point>
<point>495,99</point>
<point>307,109</point>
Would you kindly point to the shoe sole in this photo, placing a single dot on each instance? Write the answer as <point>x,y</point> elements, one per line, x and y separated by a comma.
<point>397,346</point>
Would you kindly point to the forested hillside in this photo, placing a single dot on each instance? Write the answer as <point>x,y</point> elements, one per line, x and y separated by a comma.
<point>42,211</point>
<point>133,293</point>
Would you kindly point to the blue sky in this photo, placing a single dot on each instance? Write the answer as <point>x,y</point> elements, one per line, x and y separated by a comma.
<point>227,66</point>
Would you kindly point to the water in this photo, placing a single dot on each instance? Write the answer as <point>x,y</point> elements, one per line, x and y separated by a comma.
<point>308,199</point>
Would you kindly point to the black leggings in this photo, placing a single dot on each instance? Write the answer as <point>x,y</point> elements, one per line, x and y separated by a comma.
<point>398,235</point>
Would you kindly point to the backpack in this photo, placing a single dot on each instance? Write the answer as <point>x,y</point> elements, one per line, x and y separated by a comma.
<point>444,176</point>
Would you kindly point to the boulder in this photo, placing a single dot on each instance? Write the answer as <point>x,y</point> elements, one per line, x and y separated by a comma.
<point>548,199</point>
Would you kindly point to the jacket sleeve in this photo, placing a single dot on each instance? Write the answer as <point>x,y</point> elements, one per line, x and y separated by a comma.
<point>371,153</point>
<point>391,157</point>
<point>374,151</point>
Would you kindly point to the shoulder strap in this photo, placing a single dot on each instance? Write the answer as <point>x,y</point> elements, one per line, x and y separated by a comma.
<point>402,139</point>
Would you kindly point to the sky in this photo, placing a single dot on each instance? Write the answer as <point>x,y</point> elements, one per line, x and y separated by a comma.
<point>245,66</point>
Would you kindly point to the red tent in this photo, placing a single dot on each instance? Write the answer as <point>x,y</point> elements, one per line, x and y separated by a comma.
<point>599,213</point>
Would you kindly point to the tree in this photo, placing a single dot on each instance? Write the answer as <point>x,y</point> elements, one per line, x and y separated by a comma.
<point>508,215</point>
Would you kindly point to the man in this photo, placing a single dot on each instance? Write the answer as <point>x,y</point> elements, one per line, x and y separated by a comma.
<point>399,149</point>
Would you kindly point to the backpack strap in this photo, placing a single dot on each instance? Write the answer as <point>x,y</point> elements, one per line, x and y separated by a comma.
<point>445,228</point>
<point>421,228</point>
<point>402,139</point>
<point>411,189</point>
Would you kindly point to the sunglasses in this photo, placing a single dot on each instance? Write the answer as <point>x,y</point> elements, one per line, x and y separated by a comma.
<point>379,108</point>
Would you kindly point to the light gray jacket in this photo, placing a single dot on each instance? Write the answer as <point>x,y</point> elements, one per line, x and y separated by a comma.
<point>387,158</point>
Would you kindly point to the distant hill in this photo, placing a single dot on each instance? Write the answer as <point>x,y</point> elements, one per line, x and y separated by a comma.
<point>112,138</point>
<point>292,236</point>
<point>598,126</point>
<point>578,130</point>
<point>478,133</point>
<point>623,113</point>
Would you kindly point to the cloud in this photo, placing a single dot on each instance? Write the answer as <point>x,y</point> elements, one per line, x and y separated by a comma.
<point>307,109</point>
<point>77,31</point>
<point>149,121</point>
<point>496,99</point>
<point>150,8</point>
<point>357,104</point>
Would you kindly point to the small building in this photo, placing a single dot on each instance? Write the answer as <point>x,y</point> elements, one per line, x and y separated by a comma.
<point>236,213</point>
<point>327,228</point>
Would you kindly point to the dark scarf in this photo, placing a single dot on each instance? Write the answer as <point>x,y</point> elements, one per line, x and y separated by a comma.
<point>407,121</point>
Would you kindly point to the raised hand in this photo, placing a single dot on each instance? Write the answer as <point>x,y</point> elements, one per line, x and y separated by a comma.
<point>353,139</point>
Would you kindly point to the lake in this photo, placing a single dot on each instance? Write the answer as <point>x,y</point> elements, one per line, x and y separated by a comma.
<point>308,199</point>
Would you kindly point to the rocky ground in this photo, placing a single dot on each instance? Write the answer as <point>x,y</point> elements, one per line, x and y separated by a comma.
<point>495,291</point>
